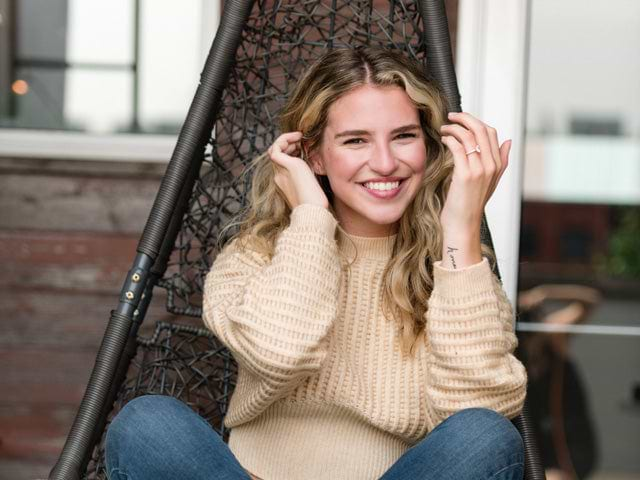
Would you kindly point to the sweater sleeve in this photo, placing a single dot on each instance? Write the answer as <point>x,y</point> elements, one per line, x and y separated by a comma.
<point>274,315</point>
<point>471,342</point>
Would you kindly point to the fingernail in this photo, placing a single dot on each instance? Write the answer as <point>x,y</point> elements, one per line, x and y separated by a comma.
<point>450,114</point>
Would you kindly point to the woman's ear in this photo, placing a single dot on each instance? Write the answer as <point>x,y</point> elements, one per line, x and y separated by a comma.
<point>316,164</point>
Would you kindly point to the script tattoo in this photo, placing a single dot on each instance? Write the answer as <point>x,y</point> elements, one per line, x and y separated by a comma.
<point>450,251</point>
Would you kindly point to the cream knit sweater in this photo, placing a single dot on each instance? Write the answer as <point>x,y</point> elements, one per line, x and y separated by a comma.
<point>324,391</point>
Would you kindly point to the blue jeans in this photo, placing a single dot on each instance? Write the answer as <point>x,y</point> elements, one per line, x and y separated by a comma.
<point>158,437</point>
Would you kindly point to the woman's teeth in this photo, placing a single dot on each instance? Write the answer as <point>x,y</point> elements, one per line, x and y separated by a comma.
<point>382,186</point>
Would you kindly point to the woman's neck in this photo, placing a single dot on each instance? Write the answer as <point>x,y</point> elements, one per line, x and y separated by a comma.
<point>379,248</point>
<point>355,223</point>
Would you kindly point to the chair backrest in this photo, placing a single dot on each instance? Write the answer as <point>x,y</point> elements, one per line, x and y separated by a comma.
<point>279,42</point>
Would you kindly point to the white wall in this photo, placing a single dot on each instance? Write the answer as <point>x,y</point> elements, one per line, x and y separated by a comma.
<point>584,59</point>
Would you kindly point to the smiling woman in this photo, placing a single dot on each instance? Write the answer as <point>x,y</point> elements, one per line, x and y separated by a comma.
<point>361,353</point>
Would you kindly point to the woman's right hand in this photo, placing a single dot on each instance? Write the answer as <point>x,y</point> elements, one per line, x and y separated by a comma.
<point>294,176</point>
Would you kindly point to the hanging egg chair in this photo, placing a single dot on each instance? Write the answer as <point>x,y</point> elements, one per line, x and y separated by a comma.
<point>260,50</point>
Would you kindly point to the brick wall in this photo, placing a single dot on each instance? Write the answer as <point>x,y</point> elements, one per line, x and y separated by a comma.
<point>68,234</point>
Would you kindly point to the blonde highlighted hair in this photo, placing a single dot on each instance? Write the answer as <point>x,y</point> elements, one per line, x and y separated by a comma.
<point>408,276</point>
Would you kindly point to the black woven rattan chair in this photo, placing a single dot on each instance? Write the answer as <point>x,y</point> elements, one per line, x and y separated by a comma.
<point>258,53</point>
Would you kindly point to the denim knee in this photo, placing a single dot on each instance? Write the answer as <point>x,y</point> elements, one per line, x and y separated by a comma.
<point>498,435</point>
<point>140,413</point>
<point>158,437</point>
<point>472,444</point>
<point>141,421</point>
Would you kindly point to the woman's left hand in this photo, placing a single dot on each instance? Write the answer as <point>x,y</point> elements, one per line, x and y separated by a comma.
<point>479,162</point>
<point>475,174</point>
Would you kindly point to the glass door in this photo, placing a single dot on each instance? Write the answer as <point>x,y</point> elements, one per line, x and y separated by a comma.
<point>579,262</point>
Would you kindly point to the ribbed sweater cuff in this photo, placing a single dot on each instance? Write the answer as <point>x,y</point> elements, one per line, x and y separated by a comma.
<point>467,281</point>
<point>307,215</point>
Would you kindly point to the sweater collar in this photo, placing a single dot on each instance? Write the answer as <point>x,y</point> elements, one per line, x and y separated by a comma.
<point>379,248</point>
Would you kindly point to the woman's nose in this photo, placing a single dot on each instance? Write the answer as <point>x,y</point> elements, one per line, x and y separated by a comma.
<point>383,160</point>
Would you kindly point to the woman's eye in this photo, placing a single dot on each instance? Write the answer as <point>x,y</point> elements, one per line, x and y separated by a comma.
<point>354,141</point>
<point>407,135</point>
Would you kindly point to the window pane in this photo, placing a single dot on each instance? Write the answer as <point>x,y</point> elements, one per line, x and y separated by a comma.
<point>98,101</point>
<point>170,63</point>
<point>41,29</point>
<point>100,31</point>
<point>42,104</point>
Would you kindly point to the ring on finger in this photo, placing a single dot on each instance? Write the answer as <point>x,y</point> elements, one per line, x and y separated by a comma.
<point>476,149</point>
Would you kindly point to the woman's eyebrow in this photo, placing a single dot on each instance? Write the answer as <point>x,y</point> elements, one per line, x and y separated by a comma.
<point>349,133</point>
<point>405,128</point>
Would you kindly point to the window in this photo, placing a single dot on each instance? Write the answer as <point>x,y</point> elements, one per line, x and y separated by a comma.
<point>101,68</point>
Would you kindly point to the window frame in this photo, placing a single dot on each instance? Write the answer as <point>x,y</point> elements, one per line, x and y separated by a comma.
<point>492,58</point>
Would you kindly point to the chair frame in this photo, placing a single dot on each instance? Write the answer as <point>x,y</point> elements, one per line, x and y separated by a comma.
<point>120,341</point>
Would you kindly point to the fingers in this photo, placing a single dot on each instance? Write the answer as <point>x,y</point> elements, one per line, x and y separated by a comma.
<point>463,141</point>
<point>476,134</point>
<point>495,149</point>
<point>469,131</point>
<point>463,135</point>
<point>504,151</point>
<point>287,142</point>
<point>492,134</point>
<point>475,165</point>
<point>284,148</point>
<point>459,156</point>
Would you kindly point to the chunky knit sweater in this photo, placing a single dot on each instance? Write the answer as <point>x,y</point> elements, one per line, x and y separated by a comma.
<point>324,390</point>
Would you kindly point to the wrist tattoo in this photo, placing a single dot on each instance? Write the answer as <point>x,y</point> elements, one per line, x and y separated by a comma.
<point>450,251</point>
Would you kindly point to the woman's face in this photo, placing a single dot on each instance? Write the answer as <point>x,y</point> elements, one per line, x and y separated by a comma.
<point>373,153</point>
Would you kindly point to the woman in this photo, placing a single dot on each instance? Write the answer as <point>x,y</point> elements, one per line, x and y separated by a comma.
<point>372,339</point>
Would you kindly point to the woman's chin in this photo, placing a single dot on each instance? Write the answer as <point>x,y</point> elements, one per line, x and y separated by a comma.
<point>373,218</point>
<point>384,223</point>
<point>393,215</point>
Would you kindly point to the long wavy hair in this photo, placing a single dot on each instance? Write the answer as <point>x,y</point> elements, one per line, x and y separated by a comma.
<point>408,276</point>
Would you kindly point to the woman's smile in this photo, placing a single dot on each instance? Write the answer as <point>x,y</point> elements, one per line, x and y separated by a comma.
<point>383,190</point>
